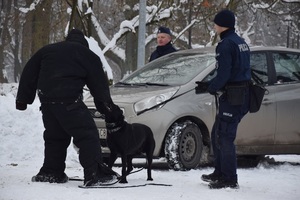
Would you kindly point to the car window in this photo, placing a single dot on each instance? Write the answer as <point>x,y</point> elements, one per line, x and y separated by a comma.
<point>259,67</point>
<point>287,66</point>
<point>175,70</point>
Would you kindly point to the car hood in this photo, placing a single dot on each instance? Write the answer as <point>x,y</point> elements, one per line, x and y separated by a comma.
<point>133,94</point>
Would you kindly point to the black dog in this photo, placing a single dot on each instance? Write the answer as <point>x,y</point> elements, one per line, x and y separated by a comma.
<point>129,140</point>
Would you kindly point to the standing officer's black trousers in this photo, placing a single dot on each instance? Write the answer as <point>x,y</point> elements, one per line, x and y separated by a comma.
<point>224,133</point>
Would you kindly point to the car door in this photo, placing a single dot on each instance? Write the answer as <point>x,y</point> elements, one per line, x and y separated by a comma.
<point>256,130</point>
<point>287,67</point>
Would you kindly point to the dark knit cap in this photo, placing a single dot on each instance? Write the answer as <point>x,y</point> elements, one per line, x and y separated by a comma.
<point>225,18</point>
<point>76,35</point>
<point>164,30</point>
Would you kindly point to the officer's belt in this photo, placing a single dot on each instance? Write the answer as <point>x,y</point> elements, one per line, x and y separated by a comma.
<point>238,84</point>
<point>44,100</point>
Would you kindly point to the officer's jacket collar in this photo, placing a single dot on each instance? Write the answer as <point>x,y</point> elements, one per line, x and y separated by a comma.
<point>226,33</point>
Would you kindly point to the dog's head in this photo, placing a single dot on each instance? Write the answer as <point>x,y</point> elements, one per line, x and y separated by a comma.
<point>114,119</point>
<point>115,114</point>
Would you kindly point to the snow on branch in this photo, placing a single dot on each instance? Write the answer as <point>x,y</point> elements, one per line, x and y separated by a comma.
<point>125,26</point>
<point>185,29</point>
<point>153,13</point>
<point>31,7</point>
<point>246,34</point>
<point>80,4</point>
<point>103,38</point>
<point>94,46</point>
<point>105,41</point>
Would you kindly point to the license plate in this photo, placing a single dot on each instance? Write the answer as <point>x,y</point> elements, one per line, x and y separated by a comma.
<point>102,133</point>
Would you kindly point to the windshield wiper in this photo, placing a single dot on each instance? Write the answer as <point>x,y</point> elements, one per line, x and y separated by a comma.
<point>157,84</point>
<point>130,84</point>
<point>122,83</point>
<point>141,84</point>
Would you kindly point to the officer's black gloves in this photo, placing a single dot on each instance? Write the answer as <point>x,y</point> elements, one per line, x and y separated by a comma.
<point>21,106</point>
<point>201,87</point>
<point>212,92</point>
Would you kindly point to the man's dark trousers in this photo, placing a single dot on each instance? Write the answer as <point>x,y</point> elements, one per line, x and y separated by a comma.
<point>63,121</point>
<point>223,136</point>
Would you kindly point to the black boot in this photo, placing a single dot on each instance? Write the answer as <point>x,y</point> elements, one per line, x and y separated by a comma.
<point>100,174</point>
<point>213,177</point>
<point>49,177</point>
<point>224,184</point>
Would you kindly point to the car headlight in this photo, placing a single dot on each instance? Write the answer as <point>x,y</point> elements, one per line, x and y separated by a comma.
<point>154,101</point>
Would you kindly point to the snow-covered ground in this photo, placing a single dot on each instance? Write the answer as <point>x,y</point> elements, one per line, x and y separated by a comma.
<point>21,156</point>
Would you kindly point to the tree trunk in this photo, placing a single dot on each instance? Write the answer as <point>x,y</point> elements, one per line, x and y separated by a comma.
<point>40,25</point>
<point>131,41</point>
<point>5,8</point>
<point>131,53</point>
<point>15,49</point>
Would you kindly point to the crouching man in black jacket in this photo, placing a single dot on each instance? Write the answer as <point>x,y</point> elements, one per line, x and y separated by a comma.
<point>58,72</point>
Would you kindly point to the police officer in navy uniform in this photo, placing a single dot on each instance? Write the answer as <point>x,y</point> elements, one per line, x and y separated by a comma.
<point>164,45</point>
<point>58,72</point>
<point>232,79</point>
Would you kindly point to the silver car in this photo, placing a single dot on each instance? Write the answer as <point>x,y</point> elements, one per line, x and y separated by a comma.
<point>162,96</point>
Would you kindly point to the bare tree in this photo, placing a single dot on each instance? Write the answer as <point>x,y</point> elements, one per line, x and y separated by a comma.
<point>27,25</point>
<point>5,8</point>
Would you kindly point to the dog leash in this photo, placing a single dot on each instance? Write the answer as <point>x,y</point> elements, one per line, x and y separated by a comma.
<point>126,186</point>
<point>110,185</point>
<point>138,170</point>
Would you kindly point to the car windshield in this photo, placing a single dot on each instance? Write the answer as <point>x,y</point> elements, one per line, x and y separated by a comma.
<point>176,69</point>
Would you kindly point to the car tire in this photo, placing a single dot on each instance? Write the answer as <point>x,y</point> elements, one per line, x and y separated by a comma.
<point>183,146</point>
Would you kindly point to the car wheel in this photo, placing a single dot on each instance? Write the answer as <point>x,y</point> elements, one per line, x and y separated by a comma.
<point>183,146</point>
